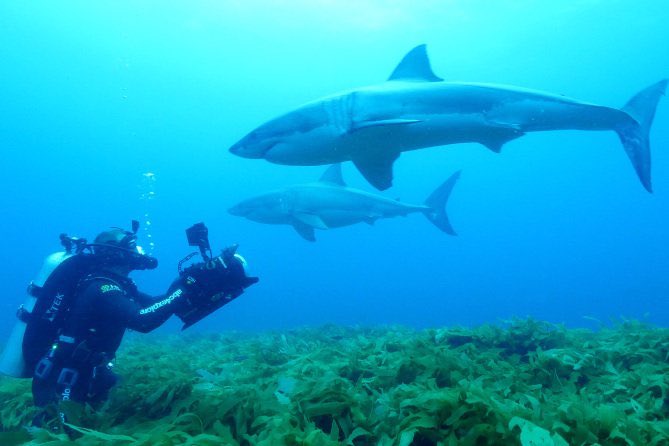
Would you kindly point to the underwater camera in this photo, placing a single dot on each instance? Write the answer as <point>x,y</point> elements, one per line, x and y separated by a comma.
<point>198,235</point>
<point>215,281</point>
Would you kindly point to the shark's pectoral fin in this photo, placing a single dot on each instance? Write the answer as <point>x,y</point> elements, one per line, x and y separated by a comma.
<point>304,224</point>
<point>376,167</point>
<point>305,231</point>
<point>370,220</point>
<point>381,123</point>
<point>499,135</point>
<point>312,220</point>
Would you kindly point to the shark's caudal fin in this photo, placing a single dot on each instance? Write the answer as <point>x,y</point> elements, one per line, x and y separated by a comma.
<point>635,134</point>
<point>437,204</point>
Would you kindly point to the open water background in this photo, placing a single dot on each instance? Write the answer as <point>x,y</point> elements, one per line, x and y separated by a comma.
<point>557,226</point>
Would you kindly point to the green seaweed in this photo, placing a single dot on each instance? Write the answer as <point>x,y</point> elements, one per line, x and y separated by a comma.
<point>523,382</point>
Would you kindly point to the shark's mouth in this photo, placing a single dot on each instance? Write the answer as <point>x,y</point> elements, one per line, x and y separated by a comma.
<point>255,152</point>
<point>277,154</point>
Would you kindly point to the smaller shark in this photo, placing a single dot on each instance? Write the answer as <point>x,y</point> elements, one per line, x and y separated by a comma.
<point>329,203</point>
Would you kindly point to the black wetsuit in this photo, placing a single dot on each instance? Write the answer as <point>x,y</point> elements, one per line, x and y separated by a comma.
<point>78,365</point>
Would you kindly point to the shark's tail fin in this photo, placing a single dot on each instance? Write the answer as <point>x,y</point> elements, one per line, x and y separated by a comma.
<point>634,134</point>
<point>436,203</point>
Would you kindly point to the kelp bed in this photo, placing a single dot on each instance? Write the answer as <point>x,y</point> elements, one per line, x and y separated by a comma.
<point>525,382</point>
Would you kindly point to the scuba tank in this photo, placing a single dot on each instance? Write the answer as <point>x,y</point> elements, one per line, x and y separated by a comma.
<point>39,318</point>
<point>12,362</point>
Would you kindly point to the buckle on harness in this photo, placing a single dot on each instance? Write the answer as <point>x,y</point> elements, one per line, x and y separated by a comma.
<point>68,377</point>
<point>43,368</point>
<point>82,354</point>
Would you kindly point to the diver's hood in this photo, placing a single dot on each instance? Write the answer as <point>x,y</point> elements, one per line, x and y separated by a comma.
<point>118,247</point>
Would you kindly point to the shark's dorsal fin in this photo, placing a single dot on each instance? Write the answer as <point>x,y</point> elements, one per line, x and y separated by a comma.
<point>415,67</point>
<point>333,175</point>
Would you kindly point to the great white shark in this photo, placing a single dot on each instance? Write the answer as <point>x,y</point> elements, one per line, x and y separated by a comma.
<point>329,203</point>
<point>415,109</point>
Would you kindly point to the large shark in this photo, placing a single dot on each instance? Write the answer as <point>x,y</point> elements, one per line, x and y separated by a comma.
<point>415,109</point>
<point>329,203</point>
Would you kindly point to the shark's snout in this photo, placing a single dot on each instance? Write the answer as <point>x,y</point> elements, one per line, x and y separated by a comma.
<point>236,150</point>
<point>238,210</point>
<point>242,150</point>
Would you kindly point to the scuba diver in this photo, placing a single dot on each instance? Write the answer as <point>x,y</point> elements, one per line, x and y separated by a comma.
<point>83,302</point>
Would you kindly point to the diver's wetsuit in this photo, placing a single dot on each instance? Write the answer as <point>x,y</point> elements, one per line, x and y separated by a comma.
<point>77,367</point>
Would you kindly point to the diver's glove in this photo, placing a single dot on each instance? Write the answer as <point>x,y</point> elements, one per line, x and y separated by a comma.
<point>207,286</point>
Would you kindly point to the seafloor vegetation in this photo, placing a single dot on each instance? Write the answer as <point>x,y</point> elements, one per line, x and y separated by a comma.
<point>527,383</point>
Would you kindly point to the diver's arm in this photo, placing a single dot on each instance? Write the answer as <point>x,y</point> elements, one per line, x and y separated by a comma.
<point>146,300</point>
<point>130,308</point>
<point>197,292</point>
<point>146,318</point>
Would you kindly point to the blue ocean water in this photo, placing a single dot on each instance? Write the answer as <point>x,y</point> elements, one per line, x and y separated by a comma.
<point>97,94</point>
